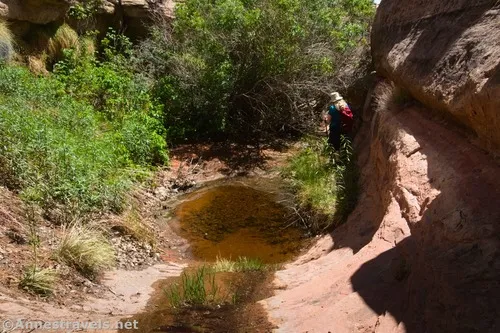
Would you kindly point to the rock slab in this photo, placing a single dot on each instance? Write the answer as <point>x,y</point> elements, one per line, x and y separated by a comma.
<point>447,55</point>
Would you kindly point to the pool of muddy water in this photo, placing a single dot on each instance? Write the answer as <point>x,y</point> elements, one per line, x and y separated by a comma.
<point>228,219</point>
<point>239,219</point>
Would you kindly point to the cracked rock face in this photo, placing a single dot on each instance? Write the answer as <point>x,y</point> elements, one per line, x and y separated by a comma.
<point>447,55</point>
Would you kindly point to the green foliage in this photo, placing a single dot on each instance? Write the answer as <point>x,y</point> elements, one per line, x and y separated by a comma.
<point>84,9</point>
<point>346,176</point>
<point>121,98</point>
<point>326,181</point>
<point>76,141</point>
<point>55,150</point>
<point>116,47</point>
<point>312,175</point>
<point>196,288</point>
<point>86,249</point>
<point>240,66</point>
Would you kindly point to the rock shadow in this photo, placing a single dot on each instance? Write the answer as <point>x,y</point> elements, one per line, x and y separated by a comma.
<point>445,277</point>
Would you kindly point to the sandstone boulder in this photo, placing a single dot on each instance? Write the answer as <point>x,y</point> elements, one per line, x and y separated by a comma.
<point>34,11</point>
<point>134,13</point>
<point>447,55</point>
<point>139,8</point>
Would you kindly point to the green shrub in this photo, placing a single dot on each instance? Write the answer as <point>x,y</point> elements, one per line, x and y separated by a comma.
<point>55,150</point>
<point>312,175</point>
<point>122,99</point>
<point>346,177</point>
<point>243,66</point>
<point>84,9</point>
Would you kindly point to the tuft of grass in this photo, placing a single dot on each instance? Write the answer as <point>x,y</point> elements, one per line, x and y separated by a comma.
<point>312,176</point>
<point>38,280</point>
<point>87,46</point>
<point>86,249</point>
<point>38,64</point>
<point>137,229</point>
<point>196,288</point>
<point>326,182</point>
<point>64,38</point>
<point>6,42</point>
<point>242,264</point>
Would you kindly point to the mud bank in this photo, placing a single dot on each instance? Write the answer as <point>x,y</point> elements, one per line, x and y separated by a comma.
<point>421,251</point>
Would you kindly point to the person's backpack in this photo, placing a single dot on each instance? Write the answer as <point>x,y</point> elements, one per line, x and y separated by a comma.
<point>346,119</point>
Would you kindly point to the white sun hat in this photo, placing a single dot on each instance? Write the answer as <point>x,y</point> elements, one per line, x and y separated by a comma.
<point>335,96</point>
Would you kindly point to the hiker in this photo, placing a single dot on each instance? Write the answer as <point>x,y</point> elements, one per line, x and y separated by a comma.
<point>338,119</point>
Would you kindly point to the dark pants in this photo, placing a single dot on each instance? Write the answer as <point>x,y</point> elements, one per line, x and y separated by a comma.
<point>334,139</point>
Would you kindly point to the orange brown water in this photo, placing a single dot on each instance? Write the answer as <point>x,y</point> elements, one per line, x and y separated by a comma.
<point>230,221</point>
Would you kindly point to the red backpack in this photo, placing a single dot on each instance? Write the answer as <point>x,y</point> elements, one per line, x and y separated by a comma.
<point>346,119</point>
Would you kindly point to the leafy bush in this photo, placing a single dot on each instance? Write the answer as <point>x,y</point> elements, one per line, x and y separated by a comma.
<point>346,177</point>
<point>55,150</point>
<point>84,9</point>
<point>242,66</point>
<point>121,98</point>
<point>76,141</point>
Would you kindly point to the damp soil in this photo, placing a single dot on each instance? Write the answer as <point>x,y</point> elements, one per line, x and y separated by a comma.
<point>228,220</point>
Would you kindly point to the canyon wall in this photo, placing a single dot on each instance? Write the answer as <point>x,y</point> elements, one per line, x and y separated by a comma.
<point>421,251</point>
<point>447,55</point>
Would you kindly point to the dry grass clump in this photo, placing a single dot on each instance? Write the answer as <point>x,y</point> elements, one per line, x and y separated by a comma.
<point>86,248</point>
<point>87,46</point>
<point>39,280</point>
<point>37,64</point>
<point>134,226</point>
<point>6,42</point>
<point>64,38</point>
